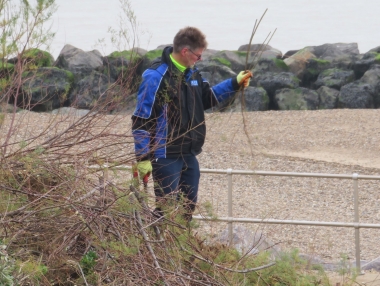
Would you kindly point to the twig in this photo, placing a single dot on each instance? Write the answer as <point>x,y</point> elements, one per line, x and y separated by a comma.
<point>190,279</point>
<point>80,269</point>
<point>229,269</point>
<point>145,236</point>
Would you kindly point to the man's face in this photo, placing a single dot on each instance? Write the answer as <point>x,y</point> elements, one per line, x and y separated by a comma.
<point>192,56</point>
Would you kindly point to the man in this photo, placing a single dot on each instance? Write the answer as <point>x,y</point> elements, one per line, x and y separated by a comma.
<point>168,123</point>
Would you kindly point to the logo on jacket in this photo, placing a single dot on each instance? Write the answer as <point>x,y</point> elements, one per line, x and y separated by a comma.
<point>194,83</point>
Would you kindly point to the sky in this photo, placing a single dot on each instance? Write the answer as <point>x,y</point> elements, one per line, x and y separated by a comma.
<point>227,24</point>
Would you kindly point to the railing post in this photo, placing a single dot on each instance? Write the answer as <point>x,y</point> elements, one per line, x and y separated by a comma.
<point>356,220</point>
<point>230,230</point>
<point>103,182</point>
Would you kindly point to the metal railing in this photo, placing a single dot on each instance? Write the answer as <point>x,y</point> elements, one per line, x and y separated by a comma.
<point>230,219</point>
<point>355,224</point>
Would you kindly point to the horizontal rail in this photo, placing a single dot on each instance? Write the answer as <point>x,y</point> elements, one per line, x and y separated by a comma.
<point>261,173</point>
<point>291,222</point>
<point>355,177</point>
<point>291,174</point>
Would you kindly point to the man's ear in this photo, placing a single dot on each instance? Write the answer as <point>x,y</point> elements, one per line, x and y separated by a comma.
<point>183,51</point>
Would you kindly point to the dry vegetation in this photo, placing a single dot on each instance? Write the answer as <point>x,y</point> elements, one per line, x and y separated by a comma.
<point>55,210</point>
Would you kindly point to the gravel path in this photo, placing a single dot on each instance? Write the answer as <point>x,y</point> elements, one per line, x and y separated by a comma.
<point>326,141</point>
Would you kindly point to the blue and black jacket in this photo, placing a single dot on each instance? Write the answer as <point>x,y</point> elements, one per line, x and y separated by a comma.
<point>169,117</point>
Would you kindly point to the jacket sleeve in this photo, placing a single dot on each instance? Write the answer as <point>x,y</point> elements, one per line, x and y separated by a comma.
<point>143,118</point>
<point>219,92</point>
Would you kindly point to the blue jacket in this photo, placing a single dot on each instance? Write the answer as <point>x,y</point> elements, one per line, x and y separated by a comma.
<point>169,117</point>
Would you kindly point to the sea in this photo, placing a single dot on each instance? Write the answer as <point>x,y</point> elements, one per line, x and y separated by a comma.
<point>227,24</point>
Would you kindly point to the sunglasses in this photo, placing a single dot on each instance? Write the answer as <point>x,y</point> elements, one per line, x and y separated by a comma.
<point>198,56</point>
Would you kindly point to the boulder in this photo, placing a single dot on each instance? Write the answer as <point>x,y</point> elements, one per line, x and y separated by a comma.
<point>238,61</point>
<point>366,62</point>
<point>297,99</point>
<point>254,99</point>
<point>272,82</point>
<point>70,111</point>
<point>328,97</point>
<point>79,62</point>
<point>288,54</point>
<point>297,62</point>
<point>35,58</point>
<point>274,65</point>
<point>339,54</point>
<point>332,51</point>
<point>215,73</point>
<point>372,77</point>
<point>208,53</point>
<point>45,89</point>
<point>90,90</point>
<point>256,48</point>
<point>334,78</point>
<point>261,51</point>
<point>122,66</point>
<point>8,108</point>
<point>233,60</point>
<point>356,95</point>
<point>312,70</point>
<point>150,57</point>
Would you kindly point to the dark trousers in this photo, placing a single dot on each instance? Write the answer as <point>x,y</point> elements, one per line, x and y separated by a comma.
<point>177,176</point>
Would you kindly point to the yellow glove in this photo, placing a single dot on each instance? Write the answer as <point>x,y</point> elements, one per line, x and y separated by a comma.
<point>244,77</point>
<point>142,170</point>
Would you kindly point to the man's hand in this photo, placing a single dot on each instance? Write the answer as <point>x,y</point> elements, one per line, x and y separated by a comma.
<point>142,170</point>
<point>243,78</point>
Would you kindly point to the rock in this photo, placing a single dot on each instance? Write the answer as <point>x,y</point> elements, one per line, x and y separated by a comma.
<point>328,97</point>
<point>274,65</point>
<point>35,58</point>
<point>79,62</point>
<point>238,61</point>
<point>356,95</point>
<point>208,53</point>
<point>272,82</point>
<point>247,241</point>
<point>297,99</point>
<point>312,70</point>
<point>215,73</point>
<point>262,51</point>
<point>150,57</point>
<point>122,66</point>
<point>255,99</point>
<point>334,78</point>
<point>332,51</point>
<point>366,62</point>
<point>288,54</point>
<point>372,77</point>
<point>139,51</point>
<point>70,111</point>
<point>297,62</point>
<point>8,108</point>
<point>233,60</point>
<point>340,53</point>
<point>45,88</point>
<point>375,50</point>
<point>89,90</point>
